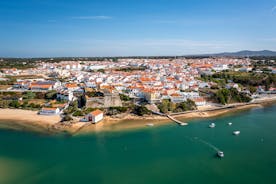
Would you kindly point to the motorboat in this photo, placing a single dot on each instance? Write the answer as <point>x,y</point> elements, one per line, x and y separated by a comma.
<point>150,124</point>
<point>220,154</point>
<point>183,124</point>
<point>212,125</point>
<point>229,123</point>
<point>236,132</point>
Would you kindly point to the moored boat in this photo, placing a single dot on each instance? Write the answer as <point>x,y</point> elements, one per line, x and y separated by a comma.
<point>183,124</point>
<point>229,123</point>
<point>220,154</point>
<point>212,125</point>
<point>236,132</point>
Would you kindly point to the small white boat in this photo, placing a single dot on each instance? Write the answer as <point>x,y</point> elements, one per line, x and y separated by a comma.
<point>150,124</point>
<point>212,125</point>
<point>220,154</point>
<point>183,124</point>
<point>229,123</point>
<point>236,132</point>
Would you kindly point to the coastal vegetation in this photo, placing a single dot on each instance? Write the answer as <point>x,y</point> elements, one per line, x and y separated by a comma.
<point>15,104</point>
<point>232,95</point>
<point>116,110</point>
<point>247,78</point>
<point>141,110</point>
<point>167,106</point>
<point>247,84</point>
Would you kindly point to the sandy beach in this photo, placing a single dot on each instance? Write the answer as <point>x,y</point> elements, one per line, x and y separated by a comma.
<point>26,120</point>
<point>30,121</point>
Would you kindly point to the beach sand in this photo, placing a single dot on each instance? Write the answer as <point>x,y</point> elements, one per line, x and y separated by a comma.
<point>26,120</point>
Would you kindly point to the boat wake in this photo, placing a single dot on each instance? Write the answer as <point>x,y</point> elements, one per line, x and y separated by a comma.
<point>207,143</point>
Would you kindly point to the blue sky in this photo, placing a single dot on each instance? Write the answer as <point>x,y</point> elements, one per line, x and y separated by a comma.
<point>52,28</point>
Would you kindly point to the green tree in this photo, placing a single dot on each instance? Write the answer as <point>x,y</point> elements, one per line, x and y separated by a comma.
<point>164,106</point>
<point>78,113</point>
<point>29,95</point>
<point>124,97</point>
<point>14,104</point>
<point>223,95</point>
<point>141,110</point>
<point>4,104</point>
<point>252,89</point>
<point>51,95</point>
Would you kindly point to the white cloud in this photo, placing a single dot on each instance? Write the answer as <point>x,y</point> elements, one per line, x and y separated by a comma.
<point>101,17</point>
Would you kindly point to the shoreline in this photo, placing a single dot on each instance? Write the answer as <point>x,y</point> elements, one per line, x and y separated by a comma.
<point>25,120</point>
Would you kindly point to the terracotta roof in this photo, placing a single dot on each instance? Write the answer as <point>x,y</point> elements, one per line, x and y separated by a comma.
<point>199,99</point>
<point>41,85</point>
<point>71,85</point>
<point>96,112</point>
<point>175,95</point>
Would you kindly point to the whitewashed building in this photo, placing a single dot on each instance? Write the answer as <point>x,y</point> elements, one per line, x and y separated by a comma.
<point>199,101</point>
<point>95,116</point>
<point>65,96</point>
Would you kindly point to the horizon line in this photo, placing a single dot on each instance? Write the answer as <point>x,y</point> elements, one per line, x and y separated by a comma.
<point>184,55</point>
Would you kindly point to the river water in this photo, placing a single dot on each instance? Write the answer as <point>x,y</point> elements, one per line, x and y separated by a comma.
<point>165,154</point>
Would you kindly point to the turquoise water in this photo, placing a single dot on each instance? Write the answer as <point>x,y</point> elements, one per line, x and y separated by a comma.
<point>167,154</point>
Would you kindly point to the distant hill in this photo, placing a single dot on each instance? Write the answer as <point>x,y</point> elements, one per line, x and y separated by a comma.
<point>246,53</point>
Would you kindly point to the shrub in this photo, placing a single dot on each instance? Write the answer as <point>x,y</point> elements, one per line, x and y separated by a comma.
<point>67,117</point>
<point>141,110</point>
<point>78,113</point>
<point>116,110</point>
<point>14,104</point>
<point>125,97</point>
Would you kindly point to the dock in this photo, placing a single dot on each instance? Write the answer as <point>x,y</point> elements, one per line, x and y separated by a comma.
<point>171,118</point>
<point>177,121</point>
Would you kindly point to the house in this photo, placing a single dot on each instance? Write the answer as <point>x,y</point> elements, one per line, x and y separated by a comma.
<point>21,85</point>
<point>49,111</point>
<point>152,96</point>
<point>190,95</point>
<point>184,86</point>
<point>71,86</point>
<point>220,67</point>
<point>199,101</point>
<point>177,98</point>
<point>94,116</point>
<point>65,96</point>
<point>38,86</point>
<point>60,106</point>
<point>42,85</point>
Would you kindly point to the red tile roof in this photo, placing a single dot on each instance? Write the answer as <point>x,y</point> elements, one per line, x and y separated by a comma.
<point>96,112</point>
